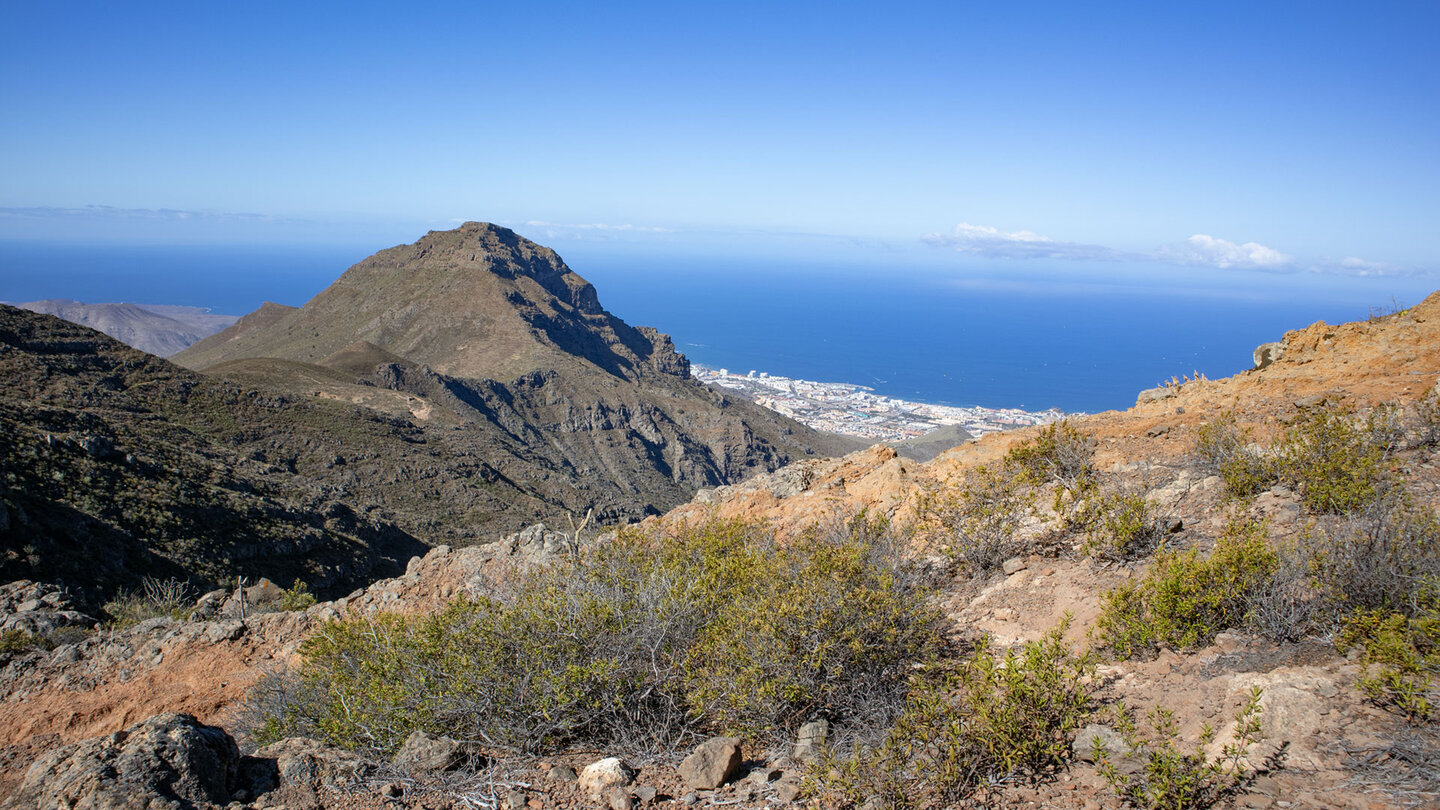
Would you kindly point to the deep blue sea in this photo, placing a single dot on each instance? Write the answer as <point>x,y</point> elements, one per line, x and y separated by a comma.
<point>914,336</point>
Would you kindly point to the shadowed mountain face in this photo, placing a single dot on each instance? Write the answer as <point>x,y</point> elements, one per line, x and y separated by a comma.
<point>116,465</point>
<point>491,346</point>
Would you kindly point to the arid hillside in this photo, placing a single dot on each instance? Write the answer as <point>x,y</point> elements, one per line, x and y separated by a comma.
<point>1049,618</point>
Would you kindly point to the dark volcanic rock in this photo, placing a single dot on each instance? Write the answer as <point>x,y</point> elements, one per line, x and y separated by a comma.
<point>168,761</point>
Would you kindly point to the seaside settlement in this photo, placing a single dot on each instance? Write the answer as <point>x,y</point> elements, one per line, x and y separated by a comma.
<point>858,411</point>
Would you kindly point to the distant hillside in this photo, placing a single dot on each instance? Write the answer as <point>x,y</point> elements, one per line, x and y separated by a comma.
<point>159,329</point>
<point>480,333</point>
<point>932,444</point>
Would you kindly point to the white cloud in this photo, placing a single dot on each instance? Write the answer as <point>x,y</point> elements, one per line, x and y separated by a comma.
<point>110,212</point>
<point>984,240</point>
<point>1356,266</point>
<point>1205,249</point>
<point>596,226</point>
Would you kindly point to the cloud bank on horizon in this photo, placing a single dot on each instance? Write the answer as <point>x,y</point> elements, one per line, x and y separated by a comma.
<point>1198,250</point>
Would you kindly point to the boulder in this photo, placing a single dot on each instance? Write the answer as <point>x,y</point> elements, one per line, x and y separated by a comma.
<point>810,741</point>
<point>1267,353</point>
<point>788,790</point>
<point>423,752</point>
<point>712,764</point>
<point>598,778</point>
<point>301,762</point>
<point>169,760</point>
<point>1154,395</point>
<point>263,591</point>
<point>1103,738</point>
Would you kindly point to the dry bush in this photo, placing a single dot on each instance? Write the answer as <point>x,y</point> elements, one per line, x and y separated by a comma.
<point>979,519</point>
<point>1223,447</point>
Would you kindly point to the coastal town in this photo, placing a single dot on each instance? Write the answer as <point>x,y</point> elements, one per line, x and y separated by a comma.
<point>858,411</point>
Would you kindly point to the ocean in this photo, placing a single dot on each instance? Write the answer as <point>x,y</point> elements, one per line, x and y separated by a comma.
<point>920,336</point>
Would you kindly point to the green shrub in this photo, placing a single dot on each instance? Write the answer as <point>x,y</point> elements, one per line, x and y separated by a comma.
<point>1172,778</point>
<point>296,597</point>
<point>1400,655</point>
<point>637,644</point>
<point>1185,598</point>
<point>995,717</point>
<point>1330,457</point>
<point>822,625</point>
<point>1224,448</point>
<point>16,642</point>
<point>1122,526</point>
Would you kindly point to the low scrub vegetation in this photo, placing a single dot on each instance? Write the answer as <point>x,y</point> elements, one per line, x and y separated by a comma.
<point>1332,459</point>
<point>992,717</point>
<point>639,644</point>
<point>1171,777</point>
<point>1186,598</point>
<point>978,520</point>
<point>1223,447</point>
<point>1378,557</point>
<point>1400,655</point>
<point>1122,526</point>
<point>1061,453</point>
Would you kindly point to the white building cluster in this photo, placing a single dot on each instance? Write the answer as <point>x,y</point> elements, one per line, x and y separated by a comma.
<point>858,411</point>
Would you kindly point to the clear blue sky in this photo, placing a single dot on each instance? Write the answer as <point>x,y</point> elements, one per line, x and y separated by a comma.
<point>1191,141</point>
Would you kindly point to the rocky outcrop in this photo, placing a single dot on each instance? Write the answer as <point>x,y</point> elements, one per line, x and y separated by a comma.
<point>167,761</point>
<point>1267,353</point>
<point>38,609</point>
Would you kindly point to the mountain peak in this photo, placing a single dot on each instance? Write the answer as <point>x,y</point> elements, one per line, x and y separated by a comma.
<point>478,301</point>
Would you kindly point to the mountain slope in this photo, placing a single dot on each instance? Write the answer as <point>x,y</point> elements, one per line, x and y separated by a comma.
<point>116,465</point>
<point>160,330</point>
<point>483,332</point>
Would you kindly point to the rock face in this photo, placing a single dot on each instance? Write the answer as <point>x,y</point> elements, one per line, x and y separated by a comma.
<point>38,609</point>
<point>712,764</point>
<point>168,761</point>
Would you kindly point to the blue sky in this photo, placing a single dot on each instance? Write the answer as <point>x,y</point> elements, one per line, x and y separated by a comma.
<point>1215,143</point>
